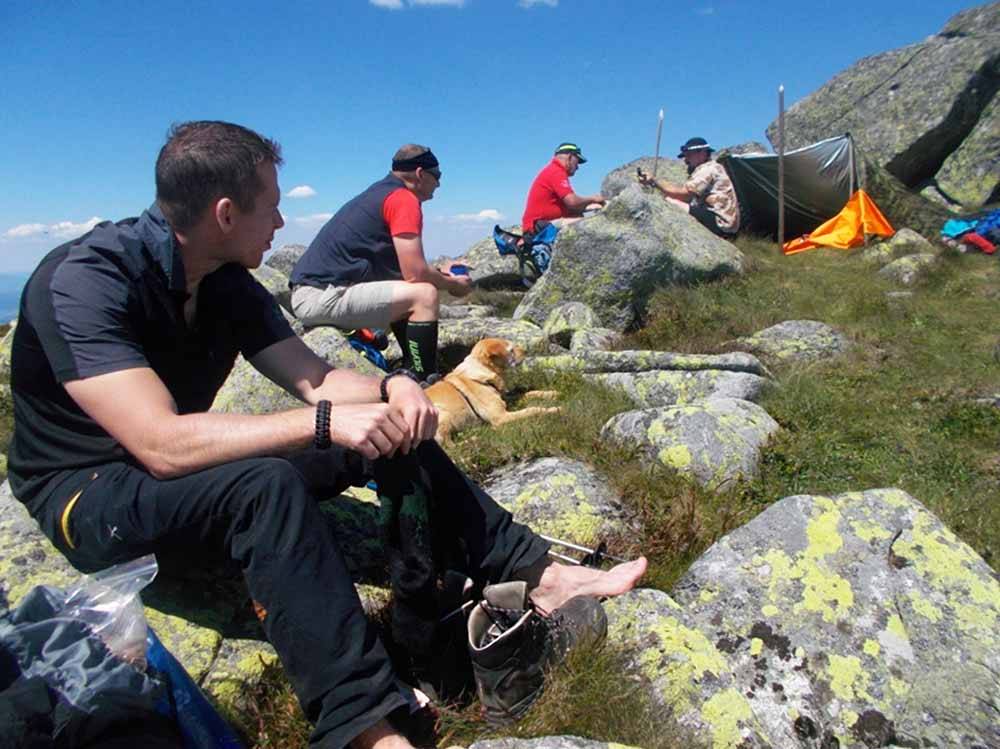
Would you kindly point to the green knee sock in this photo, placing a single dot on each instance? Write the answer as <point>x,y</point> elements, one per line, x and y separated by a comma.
<point>422,339</point>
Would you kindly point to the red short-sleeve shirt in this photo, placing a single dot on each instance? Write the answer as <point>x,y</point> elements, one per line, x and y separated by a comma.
<point>402,214</point>
<point>545,198</point>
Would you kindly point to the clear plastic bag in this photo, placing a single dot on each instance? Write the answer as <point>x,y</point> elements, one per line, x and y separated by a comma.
<point>108,603</point>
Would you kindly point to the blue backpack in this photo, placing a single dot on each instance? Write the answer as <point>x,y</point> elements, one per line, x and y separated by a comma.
<point>533,251</point>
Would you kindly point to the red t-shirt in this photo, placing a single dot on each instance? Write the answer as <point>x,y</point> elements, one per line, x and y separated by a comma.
<point>546,194</point>
<point>402,214</point>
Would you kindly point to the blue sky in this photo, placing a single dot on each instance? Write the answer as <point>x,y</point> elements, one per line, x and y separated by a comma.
<point>90,89</point>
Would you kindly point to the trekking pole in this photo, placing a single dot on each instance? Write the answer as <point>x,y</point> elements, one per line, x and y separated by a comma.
<point>577,547</point>
<point>781,166</point>
<point>659,131</point>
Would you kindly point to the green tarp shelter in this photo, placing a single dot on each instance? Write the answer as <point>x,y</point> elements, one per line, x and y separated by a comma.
<point>819,180</point>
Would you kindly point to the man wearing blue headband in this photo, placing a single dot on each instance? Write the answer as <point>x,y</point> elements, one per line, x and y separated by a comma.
<point>366,268</point>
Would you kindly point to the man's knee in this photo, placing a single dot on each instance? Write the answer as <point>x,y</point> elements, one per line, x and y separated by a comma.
<point>424,297</point>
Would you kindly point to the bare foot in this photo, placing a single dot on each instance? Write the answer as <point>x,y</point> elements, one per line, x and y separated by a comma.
<point>553,584</point>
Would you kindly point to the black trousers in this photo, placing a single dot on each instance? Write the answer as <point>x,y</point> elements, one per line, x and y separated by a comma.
<point>709,220</point>
<point>262,513</point>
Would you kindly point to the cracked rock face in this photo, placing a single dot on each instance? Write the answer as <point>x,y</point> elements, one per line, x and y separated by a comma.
<point>594,362</point>
<point>652,389</point>
<point>715,442</point>
<point>925,112</point>
<point>796,341</point>
<point>858,617</point>
<point>563,498</point>
<point>613,260</point>
<point>670,169</point>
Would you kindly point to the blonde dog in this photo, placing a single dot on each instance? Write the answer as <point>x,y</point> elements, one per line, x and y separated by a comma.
<point>473,392</point>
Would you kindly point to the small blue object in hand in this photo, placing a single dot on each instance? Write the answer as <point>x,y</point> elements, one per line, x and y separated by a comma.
<point>459,270</point>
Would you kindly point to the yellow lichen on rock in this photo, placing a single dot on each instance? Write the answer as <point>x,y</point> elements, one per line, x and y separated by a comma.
<point>724,712</point>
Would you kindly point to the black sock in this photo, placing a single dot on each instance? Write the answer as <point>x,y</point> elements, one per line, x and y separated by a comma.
<point>422,340</point>
<point>399,330</point>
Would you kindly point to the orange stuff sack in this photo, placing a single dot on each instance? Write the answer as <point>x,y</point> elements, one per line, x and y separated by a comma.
<point>860,216</point>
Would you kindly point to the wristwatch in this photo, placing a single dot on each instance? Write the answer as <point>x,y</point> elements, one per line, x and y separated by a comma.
<point>383,390</point>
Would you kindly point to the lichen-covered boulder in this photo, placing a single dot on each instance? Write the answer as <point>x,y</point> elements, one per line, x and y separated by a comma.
<point>546,742</point>
<point>716,443</point>
<point>860,615</point>
<point>238,664</point>
<point>247,391</point>
<point>795,341</point>
<point>5,345</point>
<point>613,261</point>
<point>562,498</point>
<point>463,311</point>
<point>276,283</point>
<point>671,169</point>
<point>970,176</point>
<point>284,258</point>
<point>593,339</point>
<point>594,362</point>
<point>6,401</point>
<point>909,269</point>
<point>903,242</point>
<point>909,109</point>
<point>669,388</point>
<point>566,319</point>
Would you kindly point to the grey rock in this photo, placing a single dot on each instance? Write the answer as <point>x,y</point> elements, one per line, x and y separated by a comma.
<point>276,283</point>
<point>593,339</point>
<point>903,242</point>
<point>669,388</point>
<point>594,362</point>
<point>668,168</point>
<point>6,401</point>
<point>247,391</point>
<point>462,311</point>
<point>716,442</point>
<point>5,345</point>
<point>909,269</point>
<point>795,341</point>
<point>566,319</point>
<point>613,260</point>
<point>741,149</point>
<point>284,258</point>
<point>898,204</point>
<point>970,176</point>
<point>867,612</point>
<point>562,498</point>
<point>909,109</point>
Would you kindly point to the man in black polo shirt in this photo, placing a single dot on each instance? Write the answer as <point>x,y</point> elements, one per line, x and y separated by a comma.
<point>366,267</point>
<point>123,338</point>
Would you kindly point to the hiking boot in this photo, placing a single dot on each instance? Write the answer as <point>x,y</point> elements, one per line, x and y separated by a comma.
<point>512,645</point>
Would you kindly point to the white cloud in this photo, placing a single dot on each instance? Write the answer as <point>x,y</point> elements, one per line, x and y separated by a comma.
<point>301,191</point>
<point>456,3</point>
<point>483,217</point>
<point>390,4</point>
<point>530,3</point>
<point>313,219</point>
<point>59,230</point>
<point>707,10</point>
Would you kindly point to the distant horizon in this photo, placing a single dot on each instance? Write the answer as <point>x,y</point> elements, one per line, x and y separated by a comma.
<point>492,86</point>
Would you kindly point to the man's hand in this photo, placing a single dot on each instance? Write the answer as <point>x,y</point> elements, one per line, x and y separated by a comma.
<point>373,429</point>
<point>408,399</point>
<point>459,285</point>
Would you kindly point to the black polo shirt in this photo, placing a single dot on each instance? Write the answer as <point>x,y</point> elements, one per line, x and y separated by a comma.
<point>113,300</point>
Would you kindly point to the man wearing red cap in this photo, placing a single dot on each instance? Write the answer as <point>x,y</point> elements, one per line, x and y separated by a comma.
<point>708,194</point>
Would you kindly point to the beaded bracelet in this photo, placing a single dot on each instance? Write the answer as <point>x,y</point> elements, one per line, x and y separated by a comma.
<point>322,440</point>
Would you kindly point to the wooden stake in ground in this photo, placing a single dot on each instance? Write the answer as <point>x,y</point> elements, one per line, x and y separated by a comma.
<point>781,166</point>
<point>659,131</point>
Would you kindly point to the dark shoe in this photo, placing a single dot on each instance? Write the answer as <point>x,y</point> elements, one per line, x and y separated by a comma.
<point>512,646</point>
